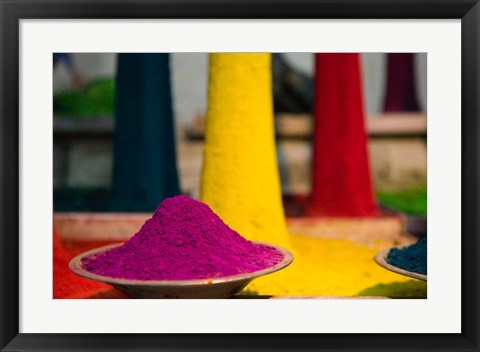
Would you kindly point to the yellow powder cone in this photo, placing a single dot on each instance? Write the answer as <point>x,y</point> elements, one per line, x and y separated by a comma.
<point>240,179</point>
<point>240,182</point>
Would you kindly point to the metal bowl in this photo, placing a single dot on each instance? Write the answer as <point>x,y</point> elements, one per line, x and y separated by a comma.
<point>381,259</point>
<point>218,287</point>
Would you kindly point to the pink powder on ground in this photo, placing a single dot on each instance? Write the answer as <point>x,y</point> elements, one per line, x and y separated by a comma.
<point>184,239</point>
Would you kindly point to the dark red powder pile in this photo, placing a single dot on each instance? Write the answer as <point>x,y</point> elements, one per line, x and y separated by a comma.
<point>183,240</point>
<point>341,181</point>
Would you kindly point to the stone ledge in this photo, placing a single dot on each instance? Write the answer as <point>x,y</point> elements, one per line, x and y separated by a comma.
<point>386,230</point>
<point>300,126</point>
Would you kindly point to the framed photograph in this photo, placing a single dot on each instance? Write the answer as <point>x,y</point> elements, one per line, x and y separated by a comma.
<point>118,65</point>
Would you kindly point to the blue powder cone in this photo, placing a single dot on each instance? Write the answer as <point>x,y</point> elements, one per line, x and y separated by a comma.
<point>144,166</point>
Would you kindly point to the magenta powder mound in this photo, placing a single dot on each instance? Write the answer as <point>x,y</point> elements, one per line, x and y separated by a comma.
<point>183,240</point>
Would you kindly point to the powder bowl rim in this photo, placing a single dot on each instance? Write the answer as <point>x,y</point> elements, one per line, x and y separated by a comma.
<point>381,259</point>
<point>76,267</point>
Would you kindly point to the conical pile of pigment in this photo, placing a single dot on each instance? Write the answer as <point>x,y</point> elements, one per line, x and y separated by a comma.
<point>183,240</point>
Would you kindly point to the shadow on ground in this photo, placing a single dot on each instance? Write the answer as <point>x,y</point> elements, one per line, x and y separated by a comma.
<point>407,289</point>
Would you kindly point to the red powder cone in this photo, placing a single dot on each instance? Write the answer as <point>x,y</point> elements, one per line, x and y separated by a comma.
<point>341,184</point>
<point>401,94</point>
<point>65,283</point>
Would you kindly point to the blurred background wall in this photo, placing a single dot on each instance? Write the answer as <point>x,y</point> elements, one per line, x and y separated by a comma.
<point>83,144</point>
<point>189,78</point>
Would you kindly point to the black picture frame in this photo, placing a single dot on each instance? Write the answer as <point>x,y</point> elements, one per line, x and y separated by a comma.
<point>12,11</point>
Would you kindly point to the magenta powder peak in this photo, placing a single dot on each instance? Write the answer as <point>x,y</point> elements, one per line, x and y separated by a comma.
<point>183,240</point>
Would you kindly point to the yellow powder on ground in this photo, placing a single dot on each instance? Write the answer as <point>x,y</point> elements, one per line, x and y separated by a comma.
<point>240,179</point>
<point>240,182</point>
<point>326,267</point>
